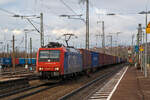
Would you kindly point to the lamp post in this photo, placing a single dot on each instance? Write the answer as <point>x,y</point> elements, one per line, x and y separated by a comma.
<point>132,47</point>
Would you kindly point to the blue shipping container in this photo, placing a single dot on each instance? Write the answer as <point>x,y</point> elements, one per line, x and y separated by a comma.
<point>95,59</point>
<point>0,60</point>
<point>72,62</point>
<point>5,61</point>
<point>21,61</point>
<point>33,61</point>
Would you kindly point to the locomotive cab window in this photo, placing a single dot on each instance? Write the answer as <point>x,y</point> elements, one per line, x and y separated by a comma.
<point>49,56</point>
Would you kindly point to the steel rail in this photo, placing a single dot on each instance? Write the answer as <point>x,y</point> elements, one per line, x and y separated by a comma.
<point>20,90</point>
<point>34,92</point>
<point>25,89</point>
<point>101,78</point>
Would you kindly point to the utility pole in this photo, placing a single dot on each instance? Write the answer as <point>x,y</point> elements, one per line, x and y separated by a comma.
<point>98,35</point>
<point>132,41</point>
<point>103,35</point>
<point>4,50</point>
<point>7,50</point>
<point>143,53</point>
<point>13,55</point>
<point>96,39</point>
<point>139,40</point>
<point>145,69</point>
<point>103,31</point>
<point>117,45</point>
<point>26,49</point>
<point>31,50</point>
<point>42,30</point>
<point>110,41</point>
<point>140,44</point>
<point>87,24</point>
<point>132,47</point>
<point>117,42</point>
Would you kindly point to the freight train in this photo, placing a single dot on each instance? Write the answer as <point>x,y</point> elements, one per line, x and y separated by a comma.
<point>56,60</point>
<point>7,62</point>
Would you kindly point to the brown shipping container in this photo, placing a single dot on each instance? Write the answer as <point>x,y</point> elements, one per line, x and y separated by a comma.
<point>108,59</point>
<point>105,59</point>
<point>114,59</point>
<point>86,58</point>
<point>101,59</point>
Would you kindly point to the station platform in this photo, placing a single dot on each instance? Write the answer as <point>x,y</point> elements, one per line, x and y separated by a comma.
<point>133,86</point>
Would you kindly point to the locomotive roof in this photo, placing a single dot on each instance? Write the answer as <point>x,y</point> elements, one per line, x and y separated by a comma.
<point>72,50</point>
<point>56,45</point>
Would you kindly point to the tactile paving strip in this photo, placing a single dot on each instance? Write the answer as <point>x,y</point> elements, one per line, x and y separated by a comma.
<point>106,91</point>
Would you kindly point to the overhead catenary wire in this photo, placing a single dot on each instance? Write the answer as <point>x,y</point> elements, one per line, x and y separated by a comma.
<point>22,40</point>
<point>6,11</point>
<point>51,11</point>
<point>12,13</point>
<point>62,1</point>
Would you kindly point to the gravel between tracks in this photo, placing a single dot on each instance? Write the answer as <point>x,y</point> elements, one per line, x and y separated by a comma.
<point>56,92</point>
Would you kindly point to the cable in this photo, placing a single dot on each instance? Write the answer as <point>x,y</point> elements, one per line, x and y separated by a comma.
<point>6,11</point>
<point>12,13</point>
<point>91,4</point>
<point>68,7</point>
<point>52,11</point>
<point>19,45</point>
<point>39,23</point>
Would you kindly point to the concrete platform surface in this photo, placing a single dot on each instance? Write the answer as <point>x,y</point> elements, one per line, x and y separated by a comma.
<point>133,86</point>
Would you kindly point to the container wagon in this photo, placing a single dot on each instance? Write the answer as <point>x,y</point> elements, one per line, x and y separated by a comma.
<point>86,59</point>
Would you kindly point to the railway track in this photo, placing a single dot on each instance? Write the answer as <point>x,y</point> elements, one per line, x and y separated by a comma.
<point>34,91</point>
<point>16,73</point>
<point>20,74</point>
<point>101,79</point>
<point>62,90</point>
<point>25,92</point>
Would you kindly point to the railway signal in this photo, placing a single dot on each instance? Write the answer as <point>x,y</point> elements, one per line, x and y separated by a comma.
<point>148,28</point>
<point>141,48</point>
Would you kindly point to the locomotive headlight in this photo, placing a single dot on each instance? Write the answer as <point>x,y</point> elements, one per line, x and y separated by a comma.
<point>40,68</point>
<point>56,68</point>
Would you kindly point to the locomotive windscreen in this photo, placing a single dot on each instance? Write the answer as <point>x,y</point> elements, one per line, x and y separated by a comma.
<point>49,56</point>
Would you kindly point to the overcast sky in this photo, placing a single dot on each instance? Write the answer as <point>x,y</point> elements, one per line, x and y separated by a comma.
<point>126,20</point>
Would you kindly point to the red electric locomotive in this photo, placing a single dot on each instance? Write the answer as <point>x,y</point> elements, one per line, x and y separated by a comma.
<point>55,60</point>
